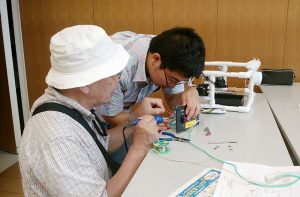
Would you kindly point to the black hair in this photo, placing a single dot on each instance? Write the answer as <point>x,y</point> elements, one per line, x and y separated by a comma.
<point>181,49</point>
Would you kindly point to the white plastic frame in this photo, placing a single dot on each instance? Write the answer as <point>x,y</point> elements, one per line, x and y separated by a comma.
<point>252,74</point>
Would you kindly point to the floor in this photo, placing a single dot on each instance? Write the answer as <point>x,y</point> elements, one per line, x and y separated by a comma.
<point>10,182</point>
<point>10,178</point>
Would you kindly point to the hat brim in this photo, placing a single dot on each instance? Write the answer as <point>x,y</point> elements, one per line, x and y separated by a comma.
<point>116,63</point>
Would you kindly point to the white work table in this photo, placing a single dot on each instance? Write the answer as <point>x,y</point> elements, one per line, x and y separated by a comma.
<point>285,101</point>
<point>258,141</point>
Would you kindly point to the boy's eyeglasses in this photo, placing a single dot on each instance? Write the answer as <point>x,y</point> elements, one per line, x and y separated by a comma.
<point>177,82</point>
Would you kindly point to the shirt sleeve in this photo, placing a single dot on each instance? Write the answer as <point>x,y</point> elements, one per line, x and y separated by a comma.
<point>66,170</point>
<point>115,105</point>
<point>177,89</point>
<point>122,37</point>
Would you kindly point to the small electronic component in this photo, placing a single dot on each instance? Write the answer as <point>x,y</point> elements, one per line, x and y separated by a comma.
<point>213,111</point>
<point>181,121</point>
<point>161,146</point>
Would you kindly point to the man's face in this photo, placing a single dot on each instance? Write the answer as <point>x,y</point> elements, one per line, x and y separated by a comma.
<point>101,91</point>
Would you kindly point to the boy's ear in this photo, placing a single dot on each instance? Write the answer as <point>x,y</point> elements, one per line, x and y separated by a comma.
<point>155,59</point>
<point>85,89</point>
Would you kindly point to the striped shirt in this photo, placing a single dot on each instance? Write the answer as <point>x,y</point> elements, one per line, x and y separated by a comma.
<point>58,157</point>
<point>133,84</point>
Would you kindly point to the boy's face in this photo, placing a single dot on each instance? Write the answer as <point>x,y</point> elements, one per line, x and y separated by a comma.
<point>160,75</point>
<point>173,78</point>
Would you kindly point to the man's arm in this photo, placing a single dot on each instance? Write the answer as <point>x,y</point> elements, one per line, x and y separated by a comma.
<point>150,106</point>
<point>117,184</point>
<point>146,132</point>
<point>118,119</point>
<point>116,137</point>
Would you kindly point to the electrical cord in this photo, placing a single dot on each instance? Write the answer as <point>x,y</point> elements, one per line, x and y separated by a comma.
<point>198,163</point>
<point>206,78</point>
<point>297,177</point>
<point>124,137</point>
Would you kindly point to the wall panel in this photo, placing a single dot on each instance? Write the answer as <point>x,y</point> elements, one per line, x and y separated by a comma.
<point>233,30</point>
<point>198,14</point>
<point>292,47</point>
<point>120,15</point>
<point>250,29</point>
<point>39,21</point>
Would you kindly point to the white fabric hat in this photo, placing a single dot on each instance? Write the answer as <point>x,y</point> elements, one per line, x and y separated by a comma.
<point>82,55</point>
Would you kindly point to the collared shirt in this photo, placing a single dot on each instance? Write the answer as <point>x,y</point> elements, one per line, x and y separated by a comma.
<point>58,157</point>
<point>133,85</point>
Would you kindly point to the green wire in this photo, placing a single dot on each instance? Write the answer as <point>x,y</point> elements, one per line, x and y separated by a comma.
<point>297,178</point>
<point>247,180</point>
<point>189,133</point>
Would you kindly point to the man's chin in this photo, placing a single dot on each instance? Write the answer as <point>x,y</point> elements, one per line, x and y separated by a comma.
<point>106,101</point>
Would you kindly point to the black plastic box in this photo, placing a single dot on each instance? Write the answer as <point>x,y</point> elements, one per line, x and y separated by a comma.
<point>229,99</point>
<point>278,76</point>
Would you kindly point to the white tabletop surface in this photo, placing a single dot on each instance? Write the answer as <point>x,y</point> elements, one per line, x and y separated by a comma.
<point>285,103</point>
<point>258,137</point>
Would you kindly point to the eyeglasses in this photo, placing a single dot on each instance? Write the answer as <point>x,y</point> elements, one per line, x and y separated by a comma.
<point>166,77</point>
<point>176,81</point>
<point>189,81</point>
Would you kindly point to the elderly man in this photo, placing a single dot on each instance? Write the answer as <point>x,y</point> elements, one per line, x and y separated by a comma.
<point>63,151</point>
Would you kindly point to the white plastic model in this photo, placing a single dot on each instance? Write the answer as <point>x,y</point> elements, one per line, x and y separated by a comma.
<point>252,75</point>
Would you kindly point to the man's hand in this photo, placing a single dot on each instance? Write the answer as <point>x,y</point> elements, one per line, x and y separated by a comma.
<point>146,131</point>
<point>191,99</point>
<point>149,106</point>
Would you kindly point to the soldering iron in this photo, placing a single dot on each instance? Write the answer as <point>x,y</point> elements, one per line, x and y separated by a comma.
<point>158,118</point>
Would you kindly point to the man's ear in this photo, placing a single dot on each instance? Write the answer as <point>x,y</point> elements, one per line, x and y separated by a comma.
<point>85,89</point>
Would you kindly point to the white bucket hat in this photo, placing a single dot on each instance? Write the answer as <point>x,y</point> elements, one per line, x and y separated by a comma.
<point>82,55</point>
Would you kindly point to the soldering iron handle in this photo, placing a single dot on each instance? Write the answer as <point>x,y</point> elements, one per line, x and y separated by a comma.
<point>158,118</point>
